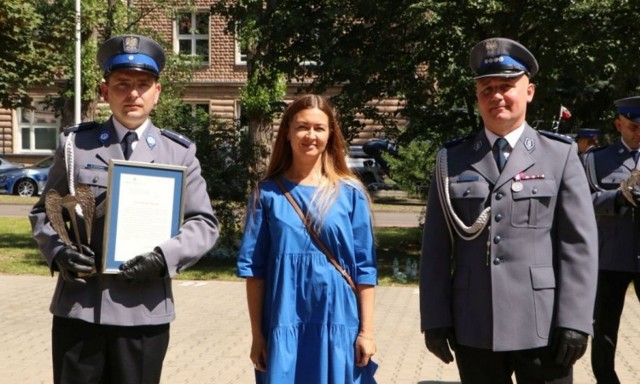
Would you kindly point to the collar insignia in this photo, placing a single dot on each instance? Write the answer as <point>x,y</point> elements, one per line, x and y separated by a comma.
<point>529,144</point>
<point>151,141</point>
<point>103,137</point>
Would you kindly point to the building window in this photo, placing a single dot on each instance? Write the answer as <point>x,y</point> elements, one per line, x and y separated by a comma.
<point>241,54</point>
<point>38,128</point>
<point>192,37</point>
<point>198,106</point>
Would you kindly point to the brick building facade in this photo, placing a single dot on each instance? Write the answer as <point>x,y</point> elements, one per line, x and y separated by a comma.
<point>27,136</point>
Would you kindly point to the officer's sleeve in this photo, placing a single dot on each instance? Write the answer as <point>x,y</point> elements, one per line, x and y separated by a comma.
<point>577,249</point>
<point>45,236</point>
<point>435,266</point>
<point>199,230</point>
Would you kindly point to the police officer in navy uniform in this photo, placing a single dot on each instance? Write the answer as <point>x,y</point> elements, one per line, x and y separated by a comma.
<point>618,221</point>
<point>586,138</point>
<point>509,259</point>
<point>114,328</point>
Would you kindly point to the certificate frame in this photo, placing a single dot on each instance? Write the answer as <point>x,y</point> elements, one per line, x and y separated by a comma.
<point>140,196</point>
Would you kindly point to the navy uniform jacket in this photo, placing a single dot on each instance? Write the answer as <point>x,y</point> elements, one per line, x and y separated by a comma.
<point>533,267</point>
<point>618,230</point>
<point>104,299</point>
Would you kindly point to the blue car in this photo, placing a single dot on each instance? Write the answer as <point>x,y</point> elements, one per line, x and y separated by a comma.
<point>6,165</point>
<point>27,181</point>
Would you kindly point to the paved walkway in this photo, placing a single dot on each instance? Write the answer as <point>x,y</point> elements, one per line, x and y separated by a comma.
<point>210,338</point>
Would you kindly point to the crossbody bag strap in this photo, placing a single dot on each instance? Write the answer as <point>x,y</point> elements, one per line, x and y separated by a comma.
<point>315,236</point>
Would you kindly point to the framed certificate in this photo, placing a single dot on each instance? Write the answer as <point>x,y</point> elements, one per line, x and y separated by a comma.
<point>145,204</point>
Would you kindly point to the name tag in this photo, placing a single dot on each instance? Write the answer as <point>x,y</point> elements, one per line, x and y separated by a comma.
<point>467,178</point>
<point>96,167</point>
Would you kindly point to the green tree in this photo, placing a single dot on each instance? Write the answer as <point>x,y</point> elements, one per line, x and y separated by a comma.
<point>417,51</point>
<point>33,35</point>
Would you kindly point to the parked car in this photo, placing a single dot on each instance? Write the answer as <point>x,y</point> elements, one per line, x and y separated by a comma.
<point>368,171</point>
<point>27,181</point>
<point>6,165</point>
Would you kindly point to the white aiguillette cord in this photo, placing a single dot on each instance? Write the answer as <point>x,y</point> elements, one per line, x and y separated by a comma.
<point>68,159</point>
<point>452,219</point>
<point>316,238</point>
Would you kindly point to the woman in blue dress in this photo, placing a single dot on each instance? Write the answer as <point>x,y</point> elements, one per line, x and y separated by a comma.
<point>308,325</point>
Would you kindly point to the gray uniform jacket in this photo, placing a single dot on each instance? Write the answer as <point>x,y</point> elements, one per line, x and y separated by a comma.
<point>533,267</point>
<point>104,299</point>
<point>618,230</point>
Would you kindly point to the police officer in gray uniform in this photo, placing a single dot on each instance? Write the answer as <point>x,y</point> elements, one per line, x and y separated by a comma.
<point>618,221</point>
<point>509,257</point>
<point>114,328</point>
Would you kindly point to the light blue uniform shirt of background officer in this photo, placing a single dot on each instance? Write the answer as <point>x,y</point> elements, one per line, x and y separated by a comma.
<point>619,227</point>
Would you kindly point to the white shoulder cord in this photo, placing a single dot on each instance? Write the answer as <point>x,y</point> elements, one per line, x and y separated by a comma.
<point>68,158</point>
<point>442,184</point>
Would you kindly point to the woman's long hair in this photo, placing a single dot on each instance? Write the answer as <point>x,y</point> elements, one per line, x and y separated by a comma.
<point>334,165</point>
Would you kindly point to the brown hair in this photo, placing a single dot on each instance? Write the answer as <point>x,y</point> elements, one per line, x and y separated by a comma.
<point>334,165</point>
<point>333,162</point>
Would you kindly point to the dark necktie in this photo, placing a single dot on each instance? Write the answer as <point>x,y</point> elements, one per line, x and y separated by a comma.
<point>635,154</point>
<point>127,143</point>
<point>499,146</point>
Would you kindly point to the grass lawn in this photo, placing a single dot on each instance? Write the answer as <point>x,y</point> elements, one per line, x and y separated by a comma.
<point>19,255</point>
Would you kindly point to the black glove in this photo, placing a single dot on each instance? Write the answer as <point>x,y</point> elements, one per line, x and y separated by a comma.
<point>569,346</point>
<point>438,341</point>
<point>142,268</point>
<point>71,263</point>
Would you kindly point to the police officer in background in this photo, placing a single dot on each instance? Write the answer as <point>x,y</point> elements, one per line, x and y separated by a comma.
<point>586,138</point>
<point>508,268</point>
<point>618,221</point>
<point>114,328</point>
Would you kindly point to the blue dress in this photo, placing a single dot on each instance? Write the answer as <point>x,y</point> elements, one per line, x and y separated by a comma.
<point>310,315</point>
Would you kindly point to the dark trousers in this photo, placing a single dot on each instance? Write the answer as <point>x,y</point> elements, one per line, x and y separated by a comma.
<point>531,366</point>
<point>612,289</point>
<point>86,353</point>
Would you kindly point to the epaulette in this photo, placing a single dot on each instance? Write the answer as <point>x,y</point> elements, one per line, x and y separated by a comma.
<point>557,136</point>
<point>458,140</point>
<point>175,136</point>
<point>81,127</point>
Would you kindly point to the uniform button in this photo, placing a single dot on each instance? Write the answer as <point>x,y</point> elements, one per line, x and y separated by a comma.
<point>534,191</point>
<point>497,239</point>
<point>498,217</point>
<point>499,195</point>
<point>467,192</point>
<point>497,261</point>
<point>95,179</point>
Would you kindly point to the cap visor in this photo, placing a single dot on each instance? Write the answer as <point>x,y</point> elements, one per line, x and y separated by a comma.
<point>501,74</point>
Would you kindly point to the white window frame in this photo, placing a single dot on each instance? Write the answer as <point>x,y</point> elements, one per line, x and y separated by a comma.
<point>237,109</point>
<point>240,58</point>
<point>191,37</point>
<point>32,126</point>
<point>195,103</point>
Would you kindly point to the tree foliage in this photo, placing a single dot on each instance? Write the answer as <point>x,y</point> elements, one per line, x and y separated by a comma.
<point>417,51</point>
<point>33,35</point>
<point>413,50</point>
